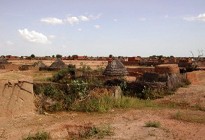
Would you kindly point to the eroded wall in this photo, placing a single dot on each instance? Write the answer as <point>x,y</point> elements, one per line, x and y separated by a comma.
<point>16,96</point>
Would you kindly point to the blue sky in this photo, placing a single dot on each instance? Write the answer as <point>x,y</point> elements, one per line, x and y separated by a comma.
<point>102,27</point>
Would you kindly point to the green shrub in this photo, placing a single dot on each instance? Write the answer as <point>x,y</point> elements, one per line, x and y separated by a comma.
<point>85,69</point>
<point>62,94</point>
<point>149,93</point>
<point>117,82</point>
<point>56,107</point>
<point>79,88</point>
<point>53,92</point>
<point>38,136</point>
<point>155,124</point>
<point>146,90</point>
<point>64,75</point>
<point>100,70</point>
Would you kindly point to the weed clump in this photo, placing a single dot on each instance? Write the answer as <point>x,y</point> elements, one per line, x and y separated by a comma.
<point>97,132</point>
<point>106,103</point>
<point>155,124</point>
<point>38,136</point>
<point>193,117</point>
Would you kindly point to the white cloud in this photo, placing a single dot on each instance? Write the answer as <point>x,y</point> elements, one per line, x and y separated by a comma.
<point>166,16</point>
<point>97,26</point>
<point>94,17</point>
<point>51,36</point>
<point>200,17</point>
<point>115,20</point>
<point>52,20</point>
<point>84,18</point>
<point>70,19</point>
<point>79,29</point>
<point>73,20</point>
<point>33,36</point>
<point>9,43</point>
<point>142,19</point>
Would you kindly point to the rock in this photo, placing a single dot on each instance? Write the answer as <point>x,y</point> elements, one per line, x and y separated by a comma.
<point>116,92</point>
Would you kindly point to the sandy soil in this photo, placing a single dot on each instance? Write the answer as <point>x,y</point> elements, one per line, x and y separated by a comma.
<point>127,124</point>
<point>78,63</point>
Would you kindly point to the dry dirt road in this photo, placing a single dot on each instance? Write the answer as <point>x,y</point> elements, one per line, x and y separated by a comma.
<point>127,124</point>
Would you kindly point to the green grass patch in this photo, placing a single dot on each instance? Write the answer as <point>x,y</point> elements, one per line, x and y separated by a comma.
<point>198,107</point>
<point>38,136</point>
<point>155,124</point>
<point>180,105</point>
<point>42,76</point>
<point>171,104</point>
<point>193,117</point>
<point>106,103</point>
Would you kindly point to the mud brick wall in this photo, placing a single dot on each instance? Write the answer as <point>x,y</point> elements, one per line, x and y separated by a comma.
<point>16,98</point>
<point>167,68</point>
<point>141,70</point>
<point>130,63</point>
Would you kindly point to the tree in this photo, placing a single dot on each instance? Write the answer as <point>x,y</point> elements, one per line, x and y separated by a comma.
<point>2,56</point>
<point>32,56</point>
<point>75,57</point>
<point>160,57</point>
<point>110,56</point>
<point>58,56</point>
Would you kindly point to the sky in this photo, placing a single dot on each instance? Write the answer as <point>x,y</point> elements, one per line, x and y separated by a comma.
<point>102,27</point>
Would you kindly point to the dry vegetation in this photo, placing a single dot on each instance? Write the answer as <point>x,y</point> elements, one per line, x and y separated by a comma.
<point>177,116</point>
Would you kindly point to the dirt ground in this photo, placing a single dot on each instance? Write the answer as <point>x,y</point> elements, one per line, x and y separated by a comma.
<point>127,124</point>
<point>78,63</point>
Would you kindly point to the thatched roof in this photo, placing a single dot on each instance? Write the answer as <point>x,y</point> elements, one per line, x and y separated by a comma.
<point>58,64</point>
<point>40,64</point>
<point>115,68</point>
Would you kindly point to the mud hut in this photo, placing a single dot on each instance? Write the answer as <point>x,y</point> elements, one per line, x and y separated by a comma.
<point>58,64</point>
<point>40,65</point>
<point>115,68</point>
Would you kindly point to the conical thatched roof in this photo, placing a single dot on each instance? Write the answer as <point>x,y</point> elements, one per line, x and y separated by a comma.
<point>58,64</point>
<point>40,64</point>
<point>115,68</point>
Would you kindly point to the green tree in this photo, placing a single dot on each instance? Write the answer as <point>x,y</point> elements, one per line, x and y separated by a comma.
<point>58,56</point>
<point>75,57</point>
<point>32,56</point>
<point>110,56</point>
